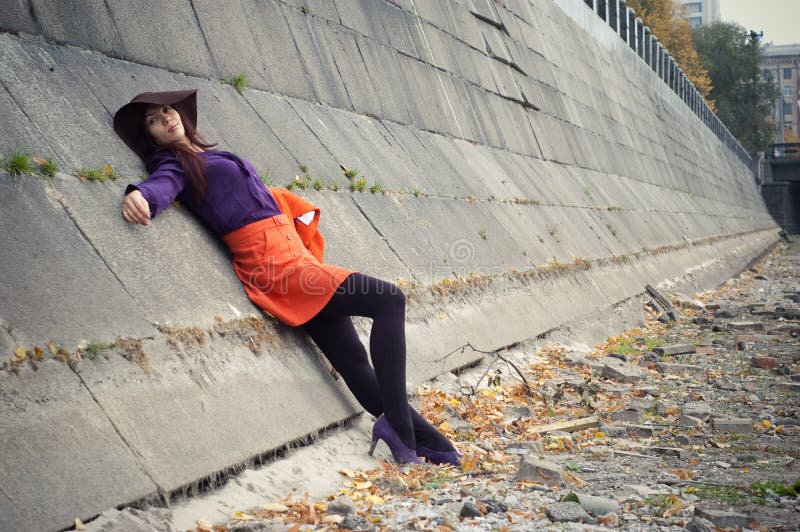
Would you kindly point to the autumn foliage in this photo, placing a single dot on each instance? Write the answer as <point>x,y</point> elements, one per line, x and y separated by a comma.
<point>664,19</point>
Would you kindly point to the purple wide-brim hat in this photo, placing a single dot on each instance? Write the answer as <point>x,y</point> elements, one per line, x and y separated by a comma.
<point>128,121</point>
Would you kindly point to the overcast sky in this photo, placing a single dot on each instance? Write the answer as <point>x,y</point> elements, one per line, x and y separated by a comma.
<point>778,19</point>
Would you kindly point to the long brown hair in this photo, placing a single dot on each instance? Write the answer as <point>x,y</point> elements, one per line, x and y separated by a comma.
<point>194,166</point>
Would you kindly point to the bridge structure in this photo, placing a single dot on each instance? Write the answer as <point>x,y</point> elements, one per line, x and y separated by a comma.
<point>781,185</point>
<point>528,165</point>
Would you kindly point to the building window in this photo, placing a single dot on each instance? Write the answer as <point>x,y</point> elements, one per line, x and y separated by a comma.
<point>787,73</point>
<point>787,91</point>
<point>692,8</point>
<point>787,108</point>
<point>767,74</point>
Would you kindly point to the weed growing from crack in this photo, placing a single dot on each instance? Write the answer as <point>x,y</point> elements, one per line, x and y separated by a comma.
<point>18,163</point>
<point>94,349</point>
<point>376,189</point>
<point>318,184</point>
<point>300,182</point>
<point>358,185</point>
<point>238,82</point>
<point>552,230</point>
<point>98,174</point>
<point>482,234</point>
<point>264,177</point>
<point>49,168</point>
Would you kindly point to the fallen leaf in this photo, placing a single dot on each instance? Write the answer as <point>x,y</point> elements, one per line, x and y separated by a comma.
<point>79,524</point>
<point>204,526</point>
<point>374,499</point>
<point>275,507</point>
<point>20,353</point>
<point>241,516</point>
<point>468,464</point>
<point>332,519</point>
<point>579,482</point>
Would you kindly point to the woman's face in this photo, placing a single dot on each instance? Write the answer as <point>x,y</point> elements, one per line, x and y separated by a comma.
<point>164,124</point>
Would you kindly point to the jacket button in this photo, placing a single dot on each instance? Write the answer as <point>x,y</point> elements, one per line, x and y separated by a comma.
<point>288,237</point>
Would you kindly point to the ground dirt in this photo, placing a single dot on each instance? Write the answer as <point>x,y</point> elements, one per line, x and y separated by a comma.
<point>688,424</point>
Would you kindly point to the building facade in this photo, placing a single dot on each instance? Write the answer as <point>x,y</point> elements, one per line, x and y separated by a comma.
<point>700,12</point>
<point>781,63</point>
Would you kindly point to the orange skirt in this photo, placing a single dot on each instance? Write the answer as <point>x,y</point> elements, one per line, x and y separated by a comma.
<point>279,274</point>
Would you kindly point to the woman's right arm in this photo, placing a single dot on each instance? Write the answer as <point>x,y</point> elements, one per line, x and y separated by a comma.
<point>148,198</point>
<point>135,208</point>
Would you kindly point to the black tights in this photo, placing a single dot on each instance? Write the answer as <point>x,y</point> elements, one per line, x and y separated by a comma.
<point>381,390</point>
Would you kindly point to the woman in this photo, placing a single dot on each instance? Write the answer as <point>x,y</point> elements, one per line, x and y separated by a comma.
<point>277,254</point>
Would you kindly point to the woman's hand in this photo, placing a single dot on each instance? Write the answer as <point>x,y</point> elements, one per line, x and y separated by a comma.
<point>135,208</point>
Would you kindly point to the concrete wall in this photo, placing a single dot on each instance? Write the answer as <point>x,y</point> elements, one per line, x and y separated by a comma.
<point>508,139</point>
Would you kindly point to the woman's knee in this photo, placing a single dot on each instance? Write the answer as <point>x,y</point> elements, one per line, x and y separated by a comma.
<point>394,296</point>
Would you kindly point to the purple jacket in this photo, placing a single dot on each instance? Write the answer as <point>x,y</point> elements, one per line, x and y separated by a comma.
<point>234,198</point>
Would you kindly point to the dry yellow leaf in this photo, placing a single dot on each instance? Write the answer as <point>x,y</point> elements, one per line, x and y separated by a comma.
<point>766,424</point>
<point>362,485</point>
<point>348,473</point>
<point>20,353</point>
<point>79,524</point>
<point>569,477</point>
<point>599,434</point>
<point>241,516</point>
<point>275,507</point>
<point>204,526</point>
<point>374,499</point>
<point>468,464</point>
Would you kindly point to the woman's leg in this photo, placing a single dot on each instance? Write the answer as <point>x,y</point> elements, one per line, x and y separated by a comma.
<point>384,388</point>
<point>338,340</point>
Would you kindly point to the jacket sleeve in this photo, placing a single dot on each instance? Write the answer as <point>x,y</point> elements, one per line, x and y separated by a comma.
<point>293,206</point>
<point>166,181</point>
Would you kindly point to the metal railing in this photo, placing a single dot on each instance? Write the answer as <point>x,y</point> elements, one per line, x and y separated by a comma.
<point>784,150</point>
<point>631,29</point>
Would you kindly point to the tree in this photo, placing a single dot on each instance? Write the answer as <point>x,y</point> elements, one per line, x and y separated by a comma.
<point>672,30</point>
<point>744,98</point>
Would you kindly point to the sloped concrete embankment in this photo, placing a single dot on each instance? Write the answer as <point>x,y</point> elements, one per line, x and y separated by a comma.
<point>552,176</point>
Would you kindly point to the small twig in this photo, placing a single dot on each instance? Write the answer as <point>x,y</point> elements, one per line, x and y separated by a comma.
<point>461,350</point>
<point>496,354</point>
<point>521,376</point>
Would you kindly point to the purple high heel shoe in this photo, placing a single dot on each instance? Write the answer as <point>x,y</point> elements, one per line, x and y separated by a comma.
<point>439,457</point>
<point>401,453</point>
